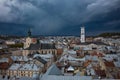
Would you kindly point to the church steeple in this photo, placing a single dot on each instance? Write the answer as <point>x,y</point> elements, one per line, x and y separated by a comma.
<point>29,33</point>
<point>28,39</point>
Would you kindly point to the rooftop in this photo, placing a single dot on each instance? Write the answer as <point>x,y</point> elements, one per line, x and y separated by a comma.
<point>109,64</point>
<point>55,77</point>
<point>53,70</point>
<point>41,46</point>
<point>26,66</point>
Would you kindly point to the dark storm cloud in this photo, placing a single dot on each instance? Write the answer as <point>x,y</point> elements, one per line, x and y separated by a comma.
<point>61,16</point>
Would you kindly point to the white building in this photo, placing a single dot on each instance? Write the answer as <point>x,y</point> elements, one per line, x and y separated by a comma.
<point>20,70</point>
<point>10,42</point>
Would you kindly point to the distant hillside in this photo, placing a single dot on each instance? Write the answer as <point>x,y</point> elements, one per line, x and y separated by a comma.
<point>109,34</point>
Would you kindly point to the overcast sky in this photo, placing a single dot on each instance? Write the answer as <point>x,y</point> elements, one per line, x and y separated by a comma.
<point>59,17</point>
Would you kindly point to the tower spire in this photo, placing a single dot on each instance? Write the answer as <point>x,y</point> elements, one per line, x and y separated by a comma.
<point>29,32</point>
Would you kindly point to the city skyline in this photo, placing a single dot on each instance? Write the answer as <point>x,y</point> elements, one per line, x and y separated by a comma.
<point>54,17</point>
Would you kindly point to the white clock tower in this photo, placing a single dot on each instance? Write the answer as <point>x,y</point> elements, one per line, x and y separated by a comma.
<point>82,35</point>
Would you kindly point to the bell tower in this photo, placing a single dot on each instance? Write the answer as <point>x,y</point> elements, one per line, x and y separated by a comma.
<point>28,40</point>
<point>29,33</point>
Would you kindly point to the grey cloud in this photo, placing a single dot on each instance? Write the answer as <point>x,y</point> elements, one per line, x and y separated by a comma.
<point>100,8</point>
<point>52,15</point>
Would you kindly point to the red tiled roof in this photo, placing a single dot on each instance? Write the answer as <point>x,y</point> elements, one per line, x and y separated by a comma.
<point>87,63</point>
<point>4,65</point>
<point>109,64</point>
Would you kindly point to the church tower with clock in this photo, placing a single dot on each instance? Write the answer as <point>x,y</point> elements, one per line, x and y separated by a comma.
<point>82,39</point>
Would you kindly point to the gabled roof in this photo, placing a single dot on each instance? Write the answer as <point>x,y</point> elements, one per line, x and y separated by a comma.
<point>70,68</point>
<point>54,70</point>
